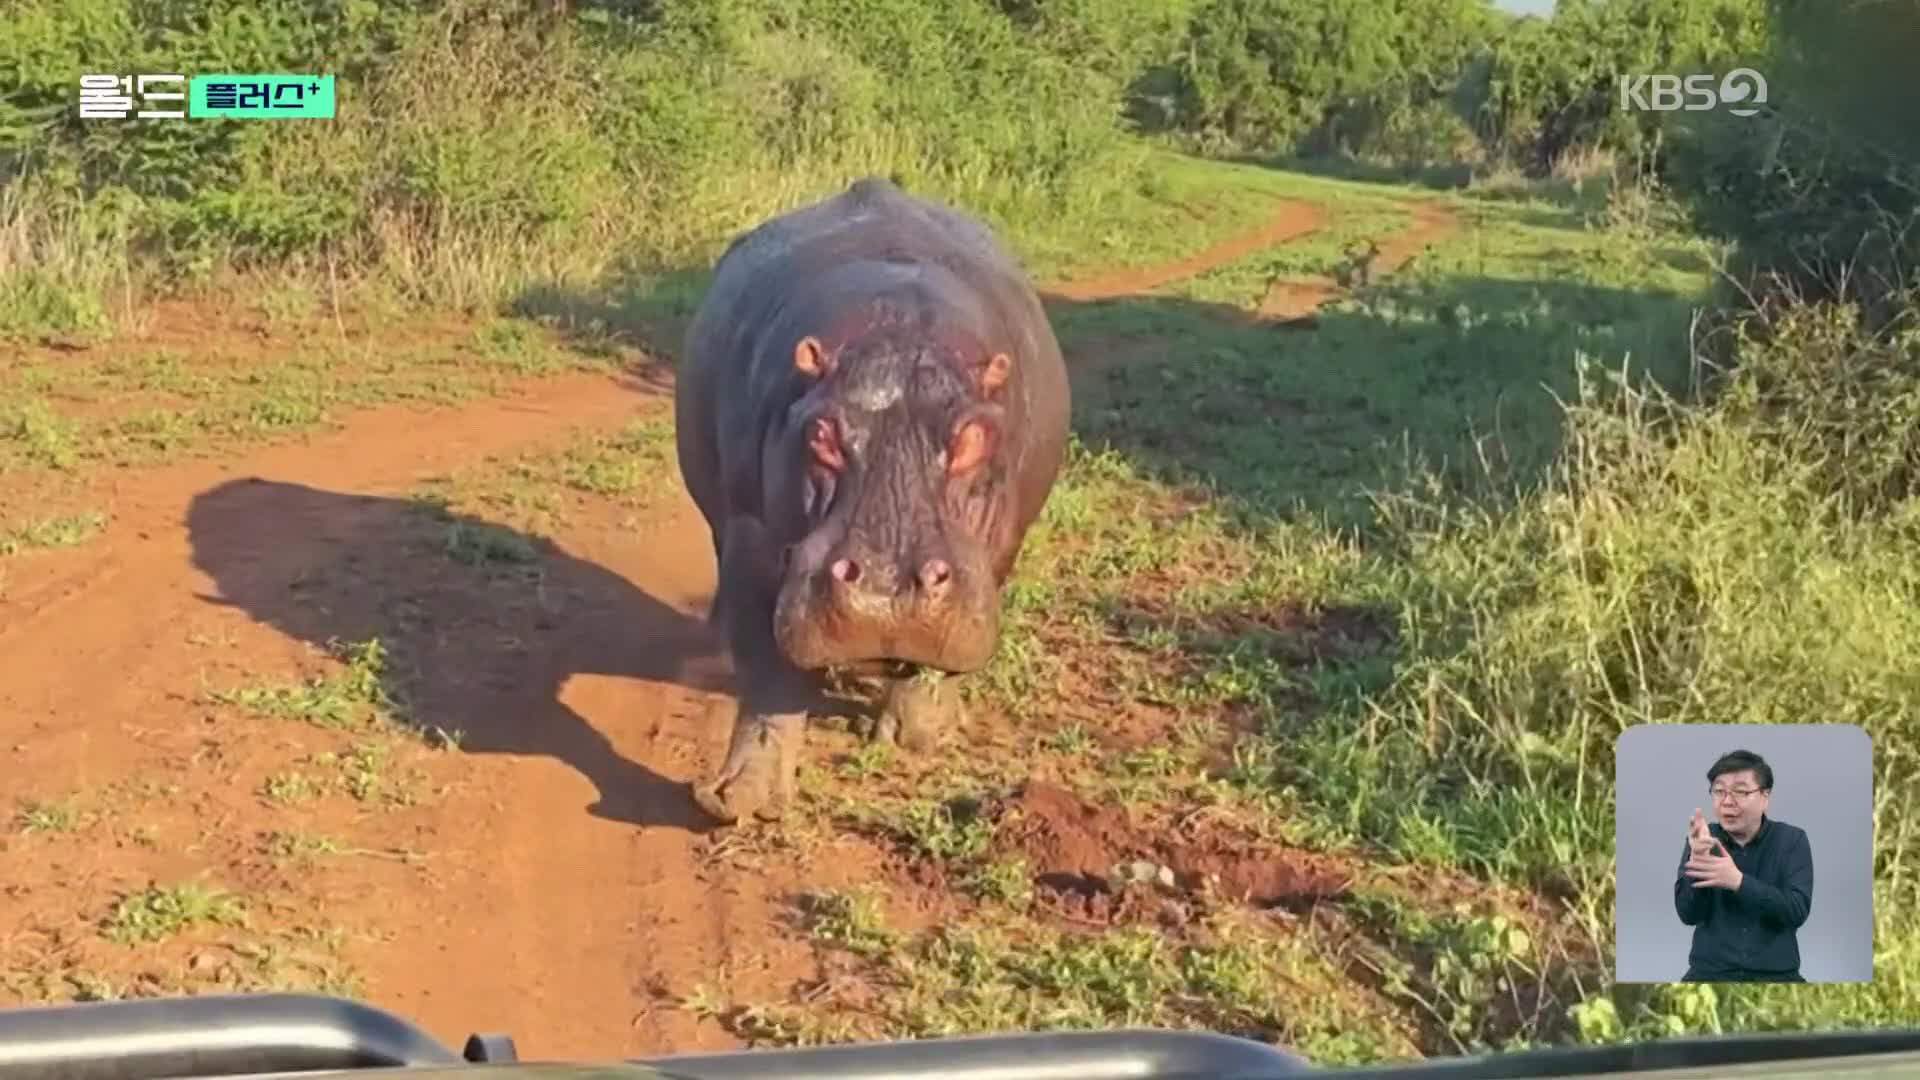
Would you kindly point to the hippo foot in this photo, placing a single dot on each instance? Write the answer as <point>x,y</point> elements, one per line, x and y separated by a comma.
<point>758,778</point>
<point>918,712</point>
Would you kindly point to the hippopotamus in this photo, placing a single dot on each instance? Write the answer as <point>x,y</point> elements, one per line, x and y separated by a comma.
<point>871,412</point>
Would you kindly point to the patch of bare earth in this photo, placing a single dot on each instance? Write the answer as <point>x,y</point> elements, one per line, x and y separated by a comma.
<point>1079,852</point>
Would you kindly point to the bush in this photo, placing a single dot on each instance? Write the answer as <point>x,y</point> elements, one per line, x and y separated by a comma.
<point>480,148</point>
<point>1751,558</point>
<point>1405,79</point>
<point>1275,76</point>
<point>1819,388</point>
<point>1822,193</point>
<point>1553,86</point>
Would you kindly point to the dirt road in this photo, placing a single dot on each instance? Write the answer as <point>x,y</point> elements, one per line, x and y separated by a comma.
<point>552,880</point>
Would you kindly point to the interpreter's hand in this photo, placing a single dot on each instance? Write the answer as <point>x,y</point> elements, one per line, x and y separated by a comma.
<point>1700,841</point>
<point>1715,871</point>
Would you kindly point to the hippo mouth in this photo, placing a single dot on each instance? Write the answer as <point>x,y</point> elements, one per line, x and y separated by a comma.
<point>819,623</point>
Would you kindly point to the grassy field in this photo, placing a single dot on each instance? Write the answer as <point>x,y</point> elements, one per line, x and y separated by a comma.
<point>1302,729</point>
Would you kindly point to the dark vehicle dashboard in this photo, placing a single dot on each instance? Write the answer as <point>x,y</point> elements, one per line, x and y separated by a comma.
<point>283,1035</point>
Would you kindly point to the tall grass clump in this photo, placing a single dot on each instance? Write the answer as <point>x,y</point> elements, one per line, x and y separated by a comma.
<point>481,149</point>
<point>1749,557</point>
<point>62,263</point>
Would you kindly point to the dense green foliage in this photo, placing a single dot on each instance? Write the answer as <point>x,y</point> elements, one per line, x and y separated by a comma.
<point>638,131</point>
<point>1823,194</point>
<point>479,149</point>
<point>1553,86</point>
<point>1304,73</point>
<point>629,134</point>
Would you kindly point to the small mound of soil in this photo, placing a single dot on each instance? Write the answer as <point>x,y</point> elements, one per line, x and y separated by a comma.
<point>1073,846</point>
<point>1266,878</point>
<point>1118,908</point>
<point>1068,843</point>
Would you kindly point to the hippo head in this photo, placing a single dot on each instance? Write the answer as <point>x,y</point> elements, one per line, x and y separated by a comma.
<point>887,491</point>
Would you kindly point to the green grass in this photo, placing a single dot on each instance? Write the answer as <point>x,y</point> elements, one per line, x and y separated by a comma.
<point>489,510</point>
<point>365,772</point>
<point>78,811</point>
<point>287,962</point>
<point>305,849</point>
<point>292,787</point>
<point>625,465</point>
<point>355,698</point>
<point>147,407</point>
<point>57,531</point>
<point>52,816</point>
<point>1178,206</point>
<point>1452,366</point>
<point>188,938</point>
<point>156,913</point>
<point>1018,975</point>
<point>478,543</point>
<point>1170,207</point>
<point>364,699</point>
<point>195,935</point>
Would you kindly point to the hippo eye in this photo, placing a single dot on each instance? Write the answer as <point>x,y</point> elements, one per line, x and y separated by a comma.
<point>823,441</point>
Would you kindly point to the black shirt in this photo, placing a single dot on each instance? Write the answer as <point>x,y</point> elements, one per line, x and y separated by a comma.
<point>1751,930</point>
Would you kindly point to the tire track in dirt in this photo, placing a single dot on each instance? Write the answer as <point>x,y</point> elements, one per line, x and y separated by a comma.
<point>1290,220</point>
<point>1294,300</point>
<point>561,926</point>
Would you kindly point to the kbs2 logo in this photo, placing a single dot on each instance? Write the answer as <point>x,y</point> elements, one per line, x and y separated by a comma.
<point>1742,90</point>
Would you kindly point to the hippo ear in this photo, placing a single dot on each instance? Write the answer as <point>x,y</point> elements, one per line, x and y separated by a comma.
<point>810,358</point>
<point>993,374</point>
<point>971,442</point>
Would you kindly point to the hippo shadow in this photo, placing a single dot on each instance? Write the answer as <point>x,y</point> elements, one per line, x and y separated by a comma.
<point>479,646</point>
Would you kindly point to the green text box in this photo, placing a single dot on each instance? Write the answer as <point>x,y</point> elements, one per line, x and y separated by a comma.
<point>262,97</point>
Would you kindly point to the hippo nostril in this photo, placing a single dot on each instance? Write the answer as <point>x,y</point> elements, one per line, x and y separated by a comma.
<point>935,574</point>
<point>846,571</point>
<point>786,558</point>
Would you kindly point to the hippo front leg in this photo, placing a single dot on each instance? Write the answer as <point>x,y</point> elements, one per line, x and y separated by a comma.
<point>758,777</point>
<point>920,709</point>
<point>757,780</point>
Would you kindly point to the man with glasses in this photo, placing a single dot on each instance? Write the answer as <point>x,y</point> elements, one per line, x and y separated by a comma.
<point>1746,883</point>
